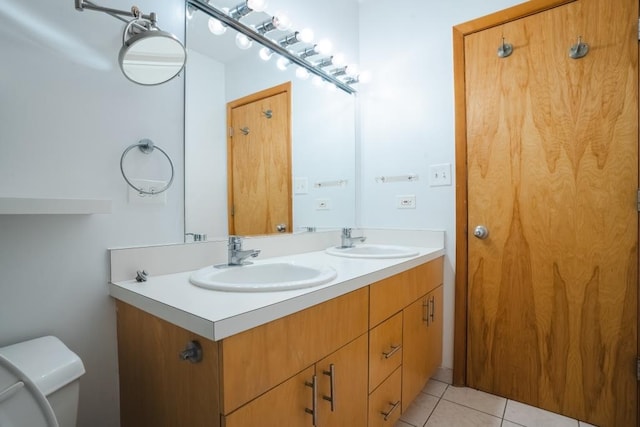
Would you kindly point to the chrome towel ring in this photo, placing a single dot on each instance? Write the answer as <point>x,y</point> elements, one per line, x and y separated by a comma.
<point>146,146</point>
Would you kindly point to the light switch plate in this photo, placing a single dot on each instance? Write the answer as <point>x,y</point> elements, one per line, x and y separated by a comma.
<point>440,175</point>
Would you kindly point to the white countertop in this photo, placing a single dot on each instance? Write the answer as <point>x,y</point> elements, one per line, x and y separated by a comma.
<point>218,314</point>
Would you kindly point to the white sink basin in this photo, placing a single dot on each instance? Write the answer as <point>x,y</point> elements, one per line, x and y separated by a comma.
<point>262,277</point>
<point>373,251</point>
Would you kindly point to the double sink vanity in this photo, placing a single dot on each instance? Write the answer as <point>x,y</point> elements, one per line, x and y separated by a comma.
<point>308,334</point>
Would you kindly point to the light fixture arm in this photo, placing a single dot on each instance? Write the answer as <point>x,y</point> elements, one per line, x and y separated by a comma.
<point>81,5</point>
<point>204,6</point>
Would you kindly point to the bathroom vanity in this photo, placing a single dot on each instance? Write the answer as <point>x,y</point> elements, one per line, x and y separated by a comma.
<point>356,354</point>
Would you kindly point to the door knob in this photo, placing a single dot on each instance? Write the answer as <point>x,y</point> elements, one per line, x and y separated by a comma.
<point>481,232</point>
<point>281,228</point>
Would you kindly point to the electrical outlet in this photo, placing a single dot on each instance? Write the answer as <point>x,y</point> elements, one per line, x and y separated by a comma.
<point>148,185</point>
<point>406,202</point>
<point>301,186</point>
<point>323,204</point>
<point>440,175</point>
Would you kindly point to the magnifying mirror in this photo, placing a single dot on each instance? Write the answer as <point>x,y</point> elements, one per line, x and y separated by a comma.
<point>152,57</point>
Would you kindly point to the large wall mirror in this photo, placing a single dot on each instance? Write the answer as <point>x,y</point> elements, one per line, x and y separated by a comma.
<point>322,122</point>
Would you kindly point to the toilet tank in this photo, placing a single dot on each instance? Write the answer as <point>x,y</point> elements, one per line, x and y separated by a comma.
<point>54,369</point>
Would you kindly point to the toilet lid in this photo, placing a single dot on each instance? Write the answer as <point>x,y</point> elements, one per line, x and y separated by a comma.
<point>21,403</point>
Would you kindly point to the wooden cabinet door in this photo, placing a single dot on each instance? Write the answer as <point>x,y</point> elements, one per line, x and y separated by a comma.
<point>552,173</point>
<point>344,404</point>
<point>415,359</point>
<point>434,331</point>
<point>283,406</point>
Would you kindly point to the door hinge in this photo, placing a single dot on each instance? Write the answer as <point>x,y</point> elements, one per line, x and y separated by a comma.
<point>638,200</point>
<point>638,368</point>
<point>230,132</point>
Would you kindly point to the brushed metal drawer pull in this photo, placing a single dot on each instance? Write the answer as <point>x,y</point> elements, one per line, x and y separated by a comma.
<point>393,408</point>
<point>332,382</point>
<point>394,349</point>
<point>314,399</point>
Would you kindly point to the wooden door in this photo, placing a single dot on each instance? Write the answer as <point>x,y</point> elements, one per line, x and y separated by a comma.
<point>349,393</point>
<point>259,173</point>
<point>551,172</point>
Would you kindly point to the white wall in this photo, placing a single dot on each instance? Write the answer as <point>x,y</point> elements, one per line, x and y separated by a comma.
<point>66,115</point>
<point>407,116</point>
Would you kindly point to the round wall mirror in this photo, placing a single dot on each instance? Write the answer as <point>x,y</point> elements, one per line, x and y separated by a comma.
<point>152,57</point>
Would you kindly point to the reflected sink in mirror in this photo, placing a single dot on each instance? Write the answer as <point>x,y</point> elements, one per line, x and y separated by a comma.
<point>373,251</point>
<point>262,277</point>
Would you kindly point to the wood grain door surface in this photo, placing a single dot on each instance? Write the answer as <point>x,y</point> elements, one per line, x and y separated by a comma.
<point>552,172</point>
<point>260,164</point>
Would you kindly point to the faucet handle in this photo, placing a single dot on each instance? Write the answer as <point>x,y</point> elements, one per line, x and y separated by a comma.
<point>235,242</point>
<point>346,232</point>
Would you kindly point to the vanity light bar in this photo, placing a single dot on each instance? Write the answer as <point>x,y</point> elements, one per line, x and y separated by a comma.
<point>274,46</point>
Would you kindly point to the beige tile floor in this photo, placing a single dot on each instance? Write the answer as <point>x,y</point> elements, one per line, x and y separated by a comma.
<point>442,405</point>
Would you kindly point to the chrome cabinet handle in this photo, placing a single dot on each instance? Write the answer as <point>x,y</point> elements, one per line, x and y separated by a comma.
<point>314,400</point>
<point>281,228</point>
<point>394,350</point>
<point>425,306</point>
<point>481,232</point>
<point>393,408</point>
<point>332,386</point>
<point>432,315</point>
<point>192,352</point>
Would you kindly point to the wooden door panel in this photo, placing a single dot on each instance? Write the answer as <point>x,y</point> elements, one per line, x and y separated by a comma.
<point>260,163</point>
<point>552,152</point>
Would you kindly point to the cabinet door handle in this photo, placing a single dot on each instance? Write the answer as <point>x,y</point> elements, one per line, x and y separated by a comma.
<point>394,349</point>
<point>393,408</point>
<point>432,315</point>
<point>314,400</point>
<point>332,386</point>
<point>192,352</point>
<point>425,306</point>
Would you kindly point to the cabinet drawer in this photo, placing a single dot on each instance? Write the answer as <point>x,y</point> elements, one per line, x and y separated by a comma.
<point>257,360</point>
<point>385,402</point>
<point>391,295</point>
<point>385,350</point>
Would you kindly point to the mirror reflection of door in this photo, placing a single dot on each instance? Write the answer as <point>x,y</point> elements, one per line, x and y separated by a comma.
<point>259,162</point>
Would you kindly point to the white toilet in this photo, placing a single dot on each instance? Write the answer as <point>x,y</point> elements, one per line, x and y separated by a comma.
<point>39,384</point>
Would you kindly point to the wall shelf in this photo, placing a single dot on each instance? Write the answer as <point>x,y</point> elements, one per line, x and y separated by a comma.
<point>42,206</point>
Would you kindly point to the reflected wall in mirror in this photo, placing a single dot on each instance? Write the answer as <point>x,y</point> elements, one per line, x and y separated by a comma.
<point>322,120</point>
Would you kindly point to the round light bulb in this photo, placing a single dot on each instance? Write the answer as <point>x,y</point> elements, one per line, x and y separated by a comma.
<point>302,73</point>
<point>243,42</point>
<point>324,47</point>
<point>338,59</point>
<point>282,22</point>
<point>190,11</point>
<point>257,5</point>
<point>365,77</point>
<point>216,27</point>
<point>305,35</point>
<point>282,63</point>
<point>352,70</point>
<point>265,53</point>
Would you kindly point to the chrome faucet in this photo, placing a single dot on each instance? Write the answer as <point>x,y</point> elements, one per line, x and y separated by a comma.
<point>348,239</point>
<point>237,256</point>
